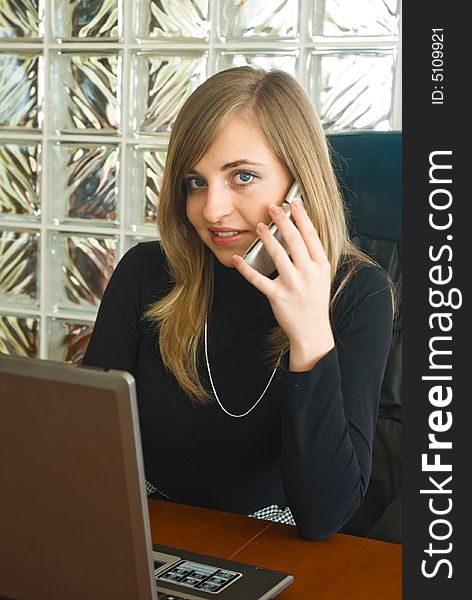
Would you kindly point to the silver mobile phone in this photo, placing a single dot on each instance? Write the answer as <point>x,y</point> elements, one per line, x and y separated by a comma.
<point>256,255</point>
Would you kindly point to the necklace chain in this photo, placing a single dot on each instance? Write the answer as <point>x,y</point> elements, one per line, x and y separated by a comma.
<point>213,386</point>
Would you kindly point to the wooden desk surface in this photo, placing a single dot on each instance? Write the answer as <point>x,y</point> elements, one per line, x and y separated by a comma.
<point>340,568</point>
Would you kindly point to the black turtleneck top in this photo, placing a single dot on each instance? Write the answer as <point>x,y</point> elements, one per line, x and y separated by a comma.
<point>307,444</point>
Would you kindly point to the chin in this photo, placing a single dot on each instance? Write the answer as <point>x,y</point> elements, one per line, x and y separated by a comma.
<point>226,261</point>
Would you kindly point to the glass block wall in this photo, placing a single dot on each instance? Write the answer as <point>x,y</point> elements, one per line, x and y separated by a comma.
<point>89,90</point>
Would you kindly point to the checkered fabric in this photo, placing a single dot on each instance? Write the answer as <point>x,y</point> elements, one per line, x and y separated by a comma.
<point>270,513</point>
<point>276,514</point>
<point>150,489</point>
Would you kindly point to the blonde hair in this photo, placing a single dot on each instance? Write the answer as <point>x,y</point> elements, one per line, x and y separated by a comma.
<point>278,105</point>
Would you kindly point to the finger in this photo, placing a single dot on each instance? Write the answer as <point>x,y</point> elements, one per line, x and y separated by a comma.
<point>259,281</point>
<point>308,232</point>
<point>292,237</point>
<point>274,248</point>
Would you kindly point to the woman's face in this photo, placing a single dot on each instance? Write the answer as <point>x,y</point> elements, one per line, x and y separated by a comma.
<point>230,189</point>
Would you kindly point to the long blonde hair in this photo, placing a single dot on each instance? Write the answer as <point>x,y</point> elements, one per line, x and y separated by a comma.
<point>279,106</point>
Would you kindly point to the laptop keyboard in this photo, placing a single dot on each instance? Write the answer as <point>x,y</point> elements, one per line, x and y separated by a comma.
<point>197,576</point>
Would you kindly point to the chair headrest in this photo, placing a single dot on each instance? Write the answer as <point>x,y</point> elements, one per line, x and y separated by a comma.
<point>368,165</point>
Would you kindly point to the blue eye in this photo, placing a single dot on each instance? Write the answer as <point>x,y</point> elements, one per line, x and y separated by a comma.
<point>194,183</point>
<point>244,177</point>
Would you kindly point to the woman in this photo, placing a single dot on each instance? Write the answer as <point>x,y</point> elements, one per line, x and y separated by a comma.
<point>257,395</point>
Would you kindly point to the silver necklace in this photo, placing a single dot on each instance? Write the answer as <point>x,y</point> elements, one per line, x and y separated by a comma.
<point>213,386</point>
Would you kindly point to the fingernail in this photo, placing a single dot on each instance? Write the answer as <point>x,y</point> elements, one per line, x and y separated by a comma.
<point>274,209</point>
<point>297,204</point>
<point>261,227</point>
<point>237,259</point>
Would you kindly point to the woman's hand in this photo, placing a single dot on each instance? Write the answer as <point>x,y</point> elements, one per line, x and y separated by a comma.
<point>300,294</point>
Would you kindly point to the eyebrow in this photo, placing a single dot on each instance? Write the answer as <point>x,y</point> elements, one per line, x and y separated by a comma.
<point>233,164</point>
<point>241,161</point>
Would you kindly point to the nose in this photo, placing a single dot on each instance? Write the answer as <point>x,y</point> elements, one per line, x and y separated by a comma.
<point>218,203</point>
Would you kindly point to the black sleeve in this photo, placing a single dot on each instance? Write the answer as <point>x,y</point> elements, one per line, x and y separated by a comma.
<point>331,411</point>
<point>116,334</point>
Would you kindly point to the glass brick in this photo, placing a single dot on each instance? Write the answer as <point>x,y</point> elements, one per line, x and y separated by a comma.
<point>19,335</point>
<point>262,59</point>
<point>353,90</point>
<point>20,170</point>
<point>173,20</point>
<point>84,182</point>
<point>21,90</point>
<point>132,240</point>
<point>146,172</point>
<point>80,266</point>
<point>21,20</point>
<point>85,92</point>
<point>19,262</point>
<point>161,84</point>
<point>337,18</point>
<point>68,339</point>
<point>258,19</point>
<point>87,20</point>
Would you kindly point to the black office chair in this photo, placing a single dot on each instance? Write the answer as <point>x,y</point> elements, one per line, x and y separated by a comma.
<point>368,165</point>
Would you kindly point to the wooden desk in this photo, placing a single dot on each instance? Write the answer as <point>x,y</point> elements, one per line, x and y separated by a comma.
<point>340,568</point>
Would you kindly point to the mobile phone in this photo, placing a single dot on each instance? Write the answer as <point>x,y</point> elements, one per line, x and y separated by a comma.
<point>256,255</point>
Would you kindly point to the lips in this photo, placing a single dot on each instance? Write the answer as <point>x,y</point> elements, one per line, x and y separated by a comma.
<point>226,235</point>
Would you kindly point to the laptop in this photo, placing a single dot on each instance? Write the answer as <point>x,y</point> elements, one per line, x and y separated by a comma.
<point>74,519</point>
